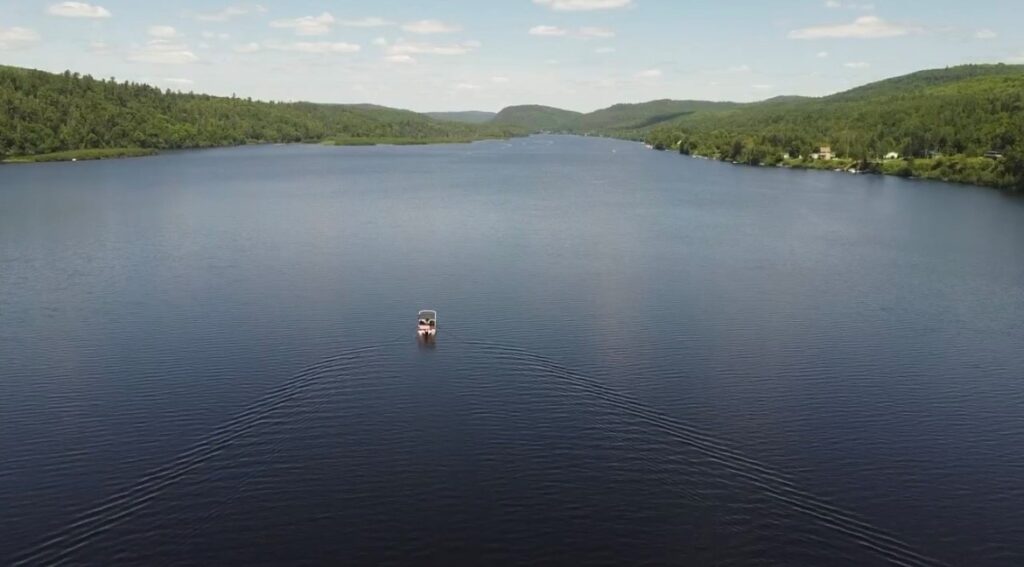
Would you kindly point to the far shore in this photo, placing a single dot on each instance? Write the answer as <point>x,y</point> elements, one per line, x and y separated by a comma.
<point>931,169</point>
<point>83,155</point>
<point>121,153</point>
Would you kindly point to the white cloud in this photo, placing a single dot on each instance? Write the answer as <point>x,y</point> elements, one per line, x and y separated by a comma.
<point>78,10</point>
<point>500,80</point>
<point>823,55</point>
<point>548,31</point>
<point>163,52</point>
<point>581,33</point>
<point>857,65</point>
<point>229,13</point>
<point>179,82</point>
<point>410,48</point>
<point>365,23</point>
<point>17,38</point>
<point>215,35</point>
<point>763,87</point>
<point>583,5</point>
<point>401,59</point>
<point>650,74</point>
<point>251,47</point>
<point>604,50</point>
<point>162,32</point>
<point>1016,60</point>
<point>307,25</point>
<point>864,27</point>
<point>380,41</point>
<point>430,27</point>
<point>315,47</point>
<point>467,87</point>
<point>985,34</point>
<point>596,32</point>
<point>836,4</point>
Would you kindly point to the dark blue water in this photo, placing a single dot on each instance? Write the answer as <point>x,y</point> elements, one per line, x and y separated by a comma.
<point>209,357</point>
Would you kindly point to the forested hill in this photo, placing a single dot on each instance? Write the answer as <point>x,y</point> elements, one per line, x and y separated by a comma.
<point>467,116</point>
<point>624,120</point>
<point>942,123</point>
<point>536,118</point>
<point>43,112</point>
<point>964,110</point>
<point>628,118</point>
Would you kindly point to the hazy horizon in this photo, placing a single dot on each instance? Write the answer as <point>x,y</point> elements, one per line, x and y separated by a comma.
<point>578,55</point>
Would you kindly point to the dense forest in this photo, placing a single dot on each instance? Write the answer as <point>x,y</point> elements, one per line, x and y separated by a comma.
<point>537,118</point>
<point>44,113</point>
<point>941,123</point>
<point>963,124</point>
<point>468,116</point>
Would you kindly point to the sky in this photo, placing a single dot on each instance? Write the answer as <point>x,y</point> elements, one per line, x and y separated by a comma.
<point>485,55</point>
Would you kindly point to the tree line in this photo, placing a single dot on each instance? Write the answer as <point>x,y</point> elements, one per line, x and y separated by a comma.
<point>42,113</point>
<point>961,124</point>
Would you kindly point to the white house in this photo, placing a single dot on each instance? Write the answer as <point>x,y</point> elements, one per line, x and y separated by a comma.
<point>892,155</point>
<point>824,153</point>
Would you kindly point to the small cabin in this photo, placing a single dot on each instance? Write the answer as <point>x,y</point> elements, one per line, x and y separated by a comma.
<point>823,153</point>
<point>892,155</point>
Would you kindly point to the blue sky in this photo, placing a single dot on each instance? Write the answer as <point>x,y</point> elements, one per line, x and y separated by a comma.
<point>475,54</point>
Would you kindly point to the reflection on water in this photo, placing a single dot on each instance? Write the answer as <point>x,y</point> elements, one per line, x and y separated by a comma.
<point>205,358</point>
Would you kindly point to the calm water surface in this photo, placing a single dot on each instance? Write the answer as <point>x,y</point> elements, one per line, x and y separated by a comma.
<point>209,357</point>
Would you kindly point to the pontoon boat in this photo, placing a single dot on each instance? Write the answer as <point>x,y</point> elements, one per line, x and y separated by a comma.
<point>427,325</point>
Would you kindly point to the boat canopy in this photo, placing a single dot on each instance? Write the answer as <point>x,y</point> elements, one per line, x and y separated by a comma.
<point>428,315</point>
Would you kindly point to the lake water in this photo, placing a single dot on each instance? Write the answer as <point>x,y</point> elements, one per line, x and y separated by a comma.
<point>210,357</point>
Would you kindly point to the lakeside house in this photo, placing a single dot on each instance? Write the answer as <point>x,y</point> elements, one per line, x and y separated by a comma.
<point>824,153</point>
<point>892,155</point>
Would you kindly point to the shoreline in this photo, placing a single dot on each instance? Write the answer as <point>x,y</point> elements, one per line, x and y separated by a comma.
<point>901,168</point>
<point>128,153</point>
<point>921,169</point>
<point>81,155</point>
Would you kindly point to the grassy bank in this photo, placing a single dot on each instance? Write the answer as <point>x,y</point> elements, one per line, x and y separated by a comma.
<point>83,155</point>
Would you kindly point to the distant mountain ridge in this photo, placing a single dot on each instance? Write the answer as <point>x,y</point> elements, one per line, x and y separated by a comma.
<point>647,116</point>
<point>619,118</point>
<point>466,116</point>
<point>962,123</point>
<point>538,118</point>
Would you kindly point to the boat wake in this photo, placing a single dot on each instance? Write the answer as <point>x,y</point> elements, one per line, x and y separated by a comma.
<point>60,547</point>
<point>772,483</point>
